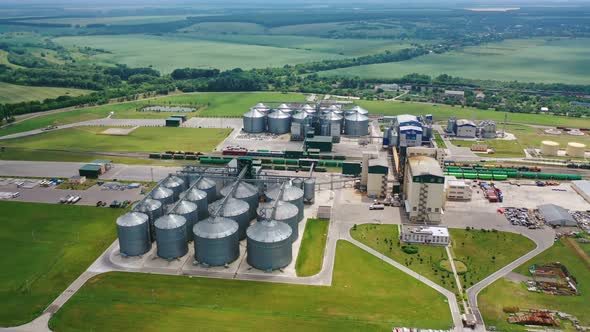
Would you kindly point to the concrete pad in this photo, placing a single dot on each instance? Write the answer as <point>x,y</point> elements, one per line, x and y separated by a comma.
<point>119,131</point>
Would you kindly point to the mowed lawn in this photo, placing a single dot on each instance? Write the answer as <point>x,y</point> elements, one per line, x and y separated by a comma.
<point>46,247</point>
<point>12,93</point>
<point>524,60</point>
<point>232,104</point>
<point>375,297</point>
<point>144,139</point>
<point>311,253</point>
<point>144,50</point>
<point>506,293</point>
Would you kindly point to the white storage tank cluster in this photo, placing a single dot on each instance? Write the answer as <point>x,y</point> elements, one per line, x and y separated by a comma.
<point>133,229</point>
<point>549,148</point>
<point>575,150</point>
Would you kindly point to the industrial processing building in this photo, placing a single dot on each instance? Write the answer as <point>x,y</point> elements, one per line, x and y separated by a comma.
<point>423,191</point>
<point>464,128</point>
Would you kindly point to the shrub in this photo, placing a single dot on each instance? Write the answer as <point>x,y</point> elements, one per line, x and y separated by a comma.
<point>511,310</point>
<point>409,249</point>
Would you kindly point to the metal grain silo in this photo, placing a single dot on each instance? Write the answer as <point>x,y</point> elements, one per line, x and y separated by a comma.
<point>301,117</point>
<point>209,186</point>
<point>163,195</point>
<point>355,110</point>
<point>234,209</point>
<point>216,241</point>
<point>297,182</point>
<point>356,124</point>
<point>332,120</point>
<point>291,194</point>
<point>269,245</point>
<point>285,212</point>
<point>171,236</point>
<point>261,108</point>
<point>254,121</point>
<point>246,192</point>
<point>308,109</point>
<point>133,229</point>
<point>189,211</point>
<point>198,197</point>
<point>153,209</point>
<point>309,190</point>
<point>279,122</point>
<point>176,184</point>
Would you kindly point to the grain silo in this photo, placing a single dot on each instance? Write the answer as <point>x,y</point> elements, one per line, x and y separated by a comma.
<point>254,121</point>
<point>309,190</point>
<point>176,184</point>
<point>269,245</point>
<point>171,236</point>
<point>133,229</point>
<point>285,212</point>
<point>209,186</point>
<point>333,121</point>
<point>246,192</point>
<point>297,182</point>
<point>163,195</point>
<point>549,148</point>
<point>198,197</point>
<point>216,241</point>
<point>575,150</point>
<point>189,211</point>
<point>234,209</point>
<point>261,108</point>
<point>290,194</point>
<point>279,122</point>
<point>356,124</point>
<point>356,110</point>
<point>153,209</point>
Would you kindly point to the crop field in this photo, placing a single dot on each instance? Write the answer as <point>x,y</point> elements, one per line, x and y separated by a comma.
<point>144,139</point>
<point>46,248</point>
<point>384,238</point>
<point>508,293</point>
<point>313,244</point>
<point>143,51</point>
<point>526,137</point>
<point>146,302</point>
<point>111,20</point>
<point>209,105</point>
<point>11,93</point>
<point>531,60</point>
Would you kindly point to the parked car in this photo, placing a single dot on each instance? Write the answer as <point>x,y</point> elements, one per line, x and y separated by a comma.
<point>376,206</point>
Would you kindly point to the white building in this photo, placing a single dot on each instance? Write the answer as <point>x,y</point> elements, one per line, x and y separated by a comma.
<point>377,178</point>
<point>426,235</point>
<point>466,128</point>
<point>582,187</point>
<point>455,94</point>
<point>458,190</point>
<point>423,189</point>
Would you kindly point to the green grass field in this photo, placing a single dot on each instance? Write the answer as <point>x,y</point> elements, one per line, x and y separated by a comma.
<point>11,93</point>
<point>504,293</point>
<point>144,50</point>
<point>144,139</point>
<point>46,247</point>
<point>525,60</point>
<point>311,253</point>
<point>113,20</point>
<point>367,300</point>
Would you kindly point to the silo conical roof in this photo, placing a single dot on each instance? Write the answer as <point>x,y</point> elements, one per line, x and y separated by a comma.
<point>195,195</point>
<point>290,193</point>
<point>358,109</point>
<point>279,115</point>
<point>357,117</point>
<point>244,189</point>
<point>254,113</point>
<point>205,183</point>
<point>215,227</point>
<point>284,210</point>
<point>185,207</point>
<point>269,231</point>
<point>170,221</point>
<point>148,205</point>
<point>161,192</point>
<point>233,207</point>
<point>131,219</point>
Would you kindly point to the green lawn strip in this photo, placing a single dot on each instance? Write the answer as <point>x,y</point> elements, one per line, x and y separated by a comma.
<point>439,141</point>
<point>367,299</point>
<point>485,252</point>
<point>12,93</point>
<point>143,139</point>
<point>313,244</point>
<point>46,247</point>
<point>385,239</point>
<point>505,293</point>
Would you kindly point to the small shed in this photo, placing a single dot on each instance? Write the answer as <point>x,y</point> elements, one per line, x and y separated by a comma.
<point>182,117</point>
<point>555,215</point>
<point>323,143</point>
<point>91,171</point>
<point>173,122</point>
<point>77,179</point>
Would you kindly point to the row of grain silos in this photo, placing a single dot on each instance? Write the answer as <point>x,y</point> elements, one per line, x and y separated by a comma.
<point>174,214</point>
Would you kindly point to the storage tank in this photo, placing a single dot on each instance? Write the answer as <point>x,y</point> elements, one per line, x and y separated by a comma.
<point>291,194</point>
<point>209,186</point>
<point>549,148</point>
<point>301,117</point>
<point>216,241</point>
<point>254,121</point>
<point>279,122</point>
<point>199,197</point>
<point>356,110</point>
<point>171,236</point>
<point>332,119</point>
<point>261,108</point>
<point>285,212</point>
<point>189,211</point>
<point>246,192</point>
<point>153,209</point>
<point>133,229</point>
<point>176,184</point>
<point>234,209</point>
<point>356,125</point>
<point>297,182</point>
<point>309,190</point>
<point>163,195</point>
<point>269,245</point>
<point>575,150</point>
